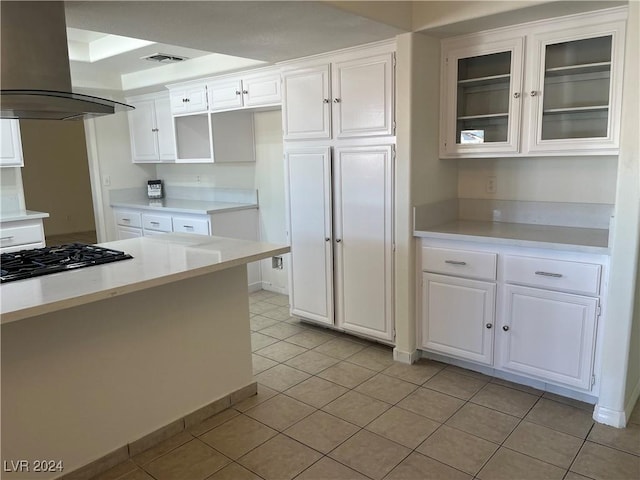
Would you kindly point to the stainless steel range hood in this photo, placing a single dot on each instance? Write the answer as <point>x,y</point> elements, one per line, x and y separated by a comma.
<point>35,78</point>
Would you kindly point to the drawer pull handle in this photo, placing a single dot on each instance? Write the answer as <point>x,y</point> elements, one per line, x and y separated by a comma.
<point>126,219</point>
<point>505,328</point>
<point>549,274</point>
<point>6,238</point>
<point>455,262</point>
<point>155,223</point>
<point>489,325</point>
<point>189,227</point>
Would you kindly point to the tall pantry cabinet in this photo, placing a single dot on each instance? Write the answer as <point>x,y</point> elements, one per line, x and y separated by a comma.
<point>339,164</point>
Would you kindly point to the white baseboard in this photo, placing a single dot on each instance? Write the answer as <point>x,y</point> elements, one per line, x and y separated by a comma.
<point>255,287</point>
<point>617,418</point>
<point>406,357</point>
<point>608,416</point>
<point>271,288</point>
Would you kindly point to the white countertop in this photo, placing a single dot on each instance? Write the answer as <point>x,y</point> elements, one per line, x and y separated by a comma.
<point>22,215</point>
<point>157,260</point>
<point>197,207</point>
<point>588,240</point>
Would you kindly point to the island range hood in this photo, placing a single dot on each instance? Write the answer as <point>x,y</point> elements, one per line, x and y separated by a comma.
<point>35,79</point>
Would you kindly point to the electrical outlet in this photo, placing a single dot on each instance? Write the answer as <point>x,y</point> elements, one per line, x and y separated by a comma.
<point>106,180</point>
<point>198,179</point>
<point>492,185</point>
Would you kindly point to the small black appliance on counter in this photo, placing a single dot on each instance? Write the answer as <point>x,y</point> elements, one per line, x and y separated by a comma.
<point>154,189</point>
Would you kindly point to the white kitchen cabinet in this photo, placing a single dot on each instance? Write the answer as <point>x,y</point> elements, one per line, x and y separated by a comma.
<point>458,303</point>
<point>524,312</point>
<point>128,232</point>
<point>189,98</point>
<point>549,335</point>
<point>252,90</point>
<point>482,97</point>
<point>151,129</point>
<point>21,235</point>
<point>307,103</point>
<point>340,214</point>
<point>458,316</point>
<point>551,87</point>
<point>242,224</point>
<point>10,144</point>
<point>343,99</point>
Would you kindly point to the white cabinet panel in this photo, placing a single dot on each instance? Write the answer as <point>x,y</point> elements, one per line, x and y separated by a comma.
<point>462,263</point>
<point>306,97</point>
<point>151,129</point>
<point>262,90</point>
<point>549,335</point>
<point>363,97</point>
<point>458,316</point>
<point>363,236</point>
<point>127,232</point>
<point>22,234</point>
<point>191,225</point>
<point>308,177</point>
<point>574,277</point>
<point>225,94</point>
<point>10,143</point>
<point>156,222</point>
<point>188,99</point>
<point>128,218</point>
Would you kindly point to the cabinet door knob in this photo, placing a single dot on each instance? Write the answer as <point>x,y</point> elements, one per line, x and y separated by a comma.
<point>187,99</point>
<point>326,100</point>
<point>505,328</point>
<point>338,240</point>
<point>533,93</point>
<point>327,239</point>
<point>489,325</point>
<point>336,100</point>
<point>246,92</point>
<point>516,95</point>
<point>238,92</point>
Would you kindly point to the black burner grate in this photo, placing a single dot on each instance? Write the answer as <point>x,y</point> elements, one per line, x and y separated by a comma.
<point>43,261</point>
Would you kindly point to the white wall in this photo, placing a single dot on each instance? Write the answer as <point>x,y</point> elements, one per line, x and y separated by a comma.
<point>240,175</point>
<point>110,157</point>
<point>620,377</point>
<point>269,181</point>
<point>543,179</point>
<point>421,177</point>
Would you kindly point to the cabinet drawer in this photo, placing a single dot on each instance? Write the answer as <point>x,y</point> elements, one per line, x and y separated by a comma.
<point>160,223</point>
<point>128,219</point>
<point>461,263</point>
<point>553,274</point>
<point>20,235</point>
<point>191,225</point>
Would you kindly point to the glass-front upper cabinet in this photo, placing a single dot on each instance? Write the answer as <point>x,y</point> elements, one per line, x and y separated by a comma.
<point>576,100</point>
<point>550,87</point>
<point>481,105</point>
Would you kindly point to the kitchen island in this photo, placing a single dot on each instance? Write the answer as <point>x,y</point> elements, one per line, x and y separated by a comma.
<point>101,362</point>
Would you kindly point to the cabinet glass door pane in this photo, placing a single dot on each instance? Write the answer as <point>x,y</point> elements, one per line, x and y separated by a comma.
<point>483,98</point>
<point>576,89</point>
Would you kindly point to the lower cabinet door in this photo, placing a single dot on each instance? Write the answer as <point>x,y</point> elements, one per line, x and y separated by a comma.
<point>458,317</point>
<point>128,232</point>
<point>308,187</point>
<point>363,226</point>
<point>549,335</point>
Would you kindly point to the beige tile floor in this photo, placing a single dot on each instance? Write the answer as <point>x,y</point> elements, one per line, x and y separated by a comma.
<point>331,406</point>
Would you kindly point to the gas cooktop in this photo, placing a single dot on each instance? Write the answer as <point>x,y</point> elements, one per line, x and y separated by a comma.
<point>43,261</point>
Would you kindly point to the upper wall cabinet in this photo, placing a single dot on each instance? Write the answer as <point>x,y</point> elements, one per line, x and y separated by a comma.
<point>256,90</point>
<point>151,129</point>
<point>560,95</point>
<point>10,144</point>
<point>188,99</point>
<point>343,99</point>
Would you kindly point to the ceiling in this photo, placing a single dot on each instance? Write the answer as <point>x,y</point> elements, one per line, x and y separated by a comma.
<point>257,32</point>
